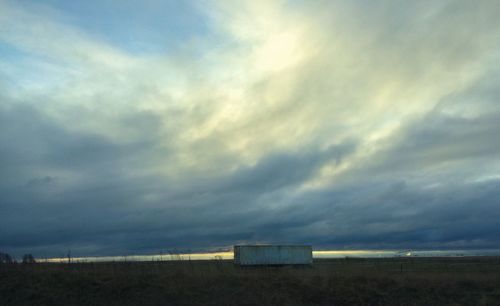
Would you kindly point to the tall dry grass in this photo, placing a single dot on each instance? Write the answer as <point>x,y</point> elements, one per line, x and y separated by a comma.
<point>398,281</point>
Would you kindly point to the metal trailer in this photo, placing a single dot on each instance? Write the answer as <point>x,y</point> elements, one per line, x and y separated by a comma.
<point>253,255</point>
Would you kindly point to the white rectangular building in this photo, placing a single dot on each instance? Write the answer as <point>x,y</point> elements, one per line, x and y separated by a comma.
<point>252,255</point>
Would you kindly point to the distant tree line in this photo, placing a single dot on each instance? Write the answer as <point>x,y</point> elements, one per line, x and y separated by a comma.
<point>28,259</point>
<point>5,258</point>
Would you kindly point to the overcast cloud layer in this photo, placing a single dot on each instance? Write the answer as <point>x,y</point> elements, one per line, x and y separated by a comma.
<point>133,127</point>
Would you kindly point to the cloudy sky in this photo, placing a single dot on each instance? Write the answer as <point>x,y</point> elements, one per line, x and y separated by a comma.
<point>129,127</point>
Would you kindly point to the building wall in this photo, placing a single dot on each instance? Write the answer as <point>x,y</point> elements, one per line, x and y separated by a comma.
<point>272,255</point>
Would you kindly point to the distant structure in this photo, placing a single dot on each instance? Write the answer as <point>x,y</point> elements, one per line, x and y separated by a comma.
<point>408,253</point>
<point>254,255</point>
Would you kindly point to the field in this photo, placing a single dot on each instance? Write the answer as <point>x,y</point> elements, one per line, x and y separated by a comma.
<point>394,281</point>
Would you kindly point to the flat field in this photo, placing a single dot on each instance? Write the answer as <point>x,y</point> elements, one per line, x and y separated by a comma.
<point>350,281</point>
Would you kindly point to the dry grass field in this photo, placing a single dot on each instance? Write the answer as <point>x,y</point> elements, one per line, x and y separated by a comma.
<point>394,281</point>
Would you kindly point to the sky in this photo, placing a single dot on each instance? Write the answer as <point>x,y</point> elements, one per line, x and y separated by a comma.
<point>133,127</point>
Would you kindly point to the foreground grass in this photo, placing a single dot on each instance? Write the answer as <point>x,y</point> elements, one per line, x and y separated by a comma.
<point>398,281</point>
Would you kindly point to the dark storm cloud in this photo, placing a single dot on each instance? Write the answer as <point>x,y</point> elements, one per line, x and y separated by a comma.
<point>55,180</point>
<point>104,205</point>
<point>280,170</point>
<point>108,215</point>
<point>108,211</point>
<point>390,216</point>
<point>423,189</point>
